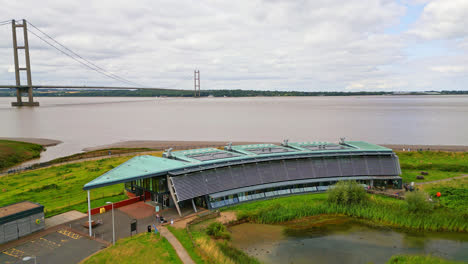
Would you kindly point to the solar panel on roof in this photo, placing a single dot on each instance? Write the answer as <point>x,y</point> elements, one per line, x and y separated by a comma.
<point>324,147</point>
<point>267,150</point>
<point>212,156</point>
<point>232,177</point>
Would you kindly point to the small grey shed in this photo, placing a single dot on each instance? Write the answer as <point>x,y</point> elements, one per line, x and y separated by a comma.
<point>20,219</point>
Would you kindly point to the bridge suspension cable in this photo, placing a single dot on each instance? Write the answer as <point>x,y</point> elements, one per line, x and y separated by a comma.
<point>49,40</point>
<point>80,59</point>
<point>7,22</point>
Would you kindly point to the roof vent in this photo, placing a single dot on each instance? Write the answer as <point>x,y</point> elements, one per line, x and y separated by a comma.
<point>168,153</point>
<point>342,140</point>
<point>228,147</point>
<point>285,143</point>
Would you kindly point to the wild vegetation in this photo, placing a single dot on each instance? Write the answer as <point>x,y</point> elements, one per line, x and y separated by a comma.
<point>218,230</point>
<point>141,248</point>
<point>15,152</point>
<point>346,192</point>
<point>60,188</point>
<point>418,202</point>
<point>217,250</point>
<point>381,210</point>
<point>453,193</point>
<point>415,259</point>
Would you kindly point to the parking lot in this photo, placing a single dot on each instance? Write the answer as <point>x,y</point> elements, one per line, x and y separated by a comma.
<point>58,247</point>
<point>69,242</point>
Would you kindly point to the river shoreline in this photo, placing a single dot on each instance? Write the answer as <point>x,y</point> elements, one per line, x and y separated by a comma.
<point>45,142</point>
<point>181,144</point>
<point>161,145</point>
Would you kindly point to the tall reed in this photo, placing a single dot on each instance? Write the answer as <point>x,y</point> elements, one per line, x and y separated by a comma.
<point>384,211</point>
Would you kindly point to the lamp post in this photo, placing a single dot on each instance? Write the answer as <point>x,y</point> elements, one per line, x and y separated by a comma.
<point>113,226</point>
<point>29,258</point>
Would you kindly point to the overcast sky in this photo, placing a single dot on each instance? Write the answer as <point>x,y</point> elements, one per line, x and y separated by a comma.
<point>317,45</point>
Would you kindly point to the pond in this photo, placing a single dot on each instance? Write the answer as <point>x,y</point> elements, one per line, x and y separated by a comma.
<point>341,240</point>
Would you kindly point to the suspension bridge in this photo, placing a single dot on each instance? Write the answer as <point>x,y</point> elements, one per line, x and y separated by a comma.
<point>28,87</point>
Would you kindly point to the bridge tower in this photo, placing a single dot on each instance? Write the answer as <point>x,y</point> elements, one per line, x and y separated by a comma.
<point>20,89</point>
<point>196,79</point>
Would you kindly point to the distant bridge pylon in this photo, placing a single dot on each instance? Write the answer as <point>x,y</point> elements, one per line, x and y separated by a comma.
<point>28,88</point>
<point>19,88</point>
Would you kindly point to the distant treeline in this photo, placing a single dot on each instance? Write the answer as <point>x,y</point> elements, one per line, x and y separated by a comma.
<point>204,93</point>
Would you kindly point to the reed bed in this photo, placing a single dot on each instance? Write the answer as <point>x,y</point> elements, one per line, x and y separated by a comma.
<point>377,209</point>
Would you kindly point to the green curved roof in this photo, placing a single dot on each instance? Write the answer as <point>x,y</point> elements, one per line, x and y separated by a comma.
<point>149,166</point>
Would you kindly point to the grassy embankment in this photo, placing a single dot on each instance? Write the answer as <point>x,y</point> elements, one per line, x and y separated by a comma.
<point>184,239</point>
<point>60,188</point>
<point>15,152</point>
<point>440,165</point>
<point>379,210</point>
<point>409,259</point>
<point>214,250</point>
<point>142,248</point>
<point>99,153</point>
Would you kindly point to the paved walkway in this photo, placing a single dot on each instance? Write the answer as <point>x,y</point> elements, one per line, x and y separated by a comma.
<point>181,252</point>
<point>63,218</point>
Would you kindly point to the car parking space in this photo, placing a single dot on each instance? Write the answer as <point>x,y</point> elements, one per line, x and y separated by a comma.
<point>56,247</point>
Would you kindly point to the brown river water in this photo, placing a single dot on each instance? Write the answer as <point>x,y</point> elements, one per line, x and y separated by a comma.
<point>342,240</point>
<point>82,122</point>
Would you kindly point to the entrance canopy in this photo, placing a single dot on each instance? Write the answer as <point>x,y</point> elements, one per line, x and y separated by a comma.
<point>137,168</point>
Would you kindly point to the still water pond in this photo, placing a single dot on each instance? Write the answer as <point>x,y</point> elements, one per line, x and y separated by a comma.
<point>341,240</point>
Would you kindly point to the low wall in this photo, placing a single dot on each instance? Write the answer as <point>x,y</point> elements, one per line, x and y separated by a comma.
<point>108,207</point>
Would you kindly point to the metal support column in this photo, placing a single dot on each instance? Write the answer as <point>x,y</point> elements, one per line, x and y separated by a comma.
<point>15,55</point>
<point>89,216</point>
<point>194,207</point>
<point>171,190</point>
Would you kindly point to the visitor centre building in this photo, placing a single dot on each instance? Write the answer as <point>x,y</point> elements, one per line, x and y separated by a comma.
<point>214,178</point>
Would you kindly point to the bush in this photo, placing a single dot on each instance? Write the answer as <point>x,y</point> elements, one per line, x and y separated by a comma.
<point>218,230</point>
<point>418,202</point>
<point>346,192</point>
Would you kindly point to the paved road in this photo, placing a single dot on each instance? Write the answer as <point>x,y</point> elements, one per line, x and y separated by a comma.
<point>181,252</point>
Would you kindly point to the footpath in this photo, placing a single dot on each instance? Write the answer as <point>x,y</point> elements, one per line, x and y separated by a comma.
<point>442,180</point>
<point>181,252</point>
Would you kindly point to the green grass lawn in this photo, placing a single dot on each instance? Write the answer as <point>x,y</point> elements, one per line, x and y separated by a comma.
<point>60,188</point>
<point>410,175</point>
<point>142,248</point>
<point>14,152</point>
<point>184,239</point>
<point>409,259</point>
<point>439,165</point>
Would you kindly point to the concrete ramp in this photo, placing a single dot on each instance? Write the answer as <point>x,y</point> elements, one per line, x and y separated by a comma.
<point>63,218</point>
